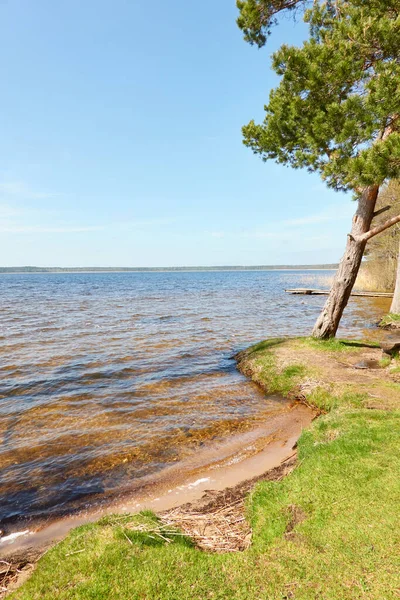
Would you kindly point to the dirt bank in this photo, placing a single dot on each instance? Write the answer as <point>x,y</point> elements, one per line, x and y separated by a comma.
<point>321,373</point>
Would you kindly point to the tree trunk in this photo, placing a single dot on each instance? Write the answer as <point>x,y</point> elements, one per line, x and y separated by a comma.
<point>395,308</point>
<point>329,319</point>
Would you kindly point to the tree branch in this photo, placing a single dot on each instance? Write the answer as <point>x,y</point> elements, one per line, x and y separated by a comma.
<point>378,229</point>
<point>381,210</point>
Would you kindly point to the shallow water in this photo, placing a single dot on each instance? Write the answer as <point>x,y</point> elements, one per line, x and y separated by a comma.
<point>107,378</point>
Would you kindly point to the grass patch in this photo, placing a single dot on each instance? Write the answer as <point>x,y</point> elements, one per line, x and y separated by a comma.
<point>390,319</point>
<point>337,345</point>
<point>264,345</point>
<point>325,400</point>
<point>393,385</point>
<point>385,362</point>
<point>270,377</point>
<point>261,363</point>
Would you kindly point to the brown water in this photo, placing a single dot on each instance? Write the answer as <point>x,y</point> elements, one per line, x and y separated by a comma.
<point>108,379</point>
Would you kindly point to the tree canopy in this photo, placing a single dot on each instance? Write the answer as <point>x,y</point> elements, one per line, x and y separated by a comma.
<point>258,16</point>
<point>336,110</point>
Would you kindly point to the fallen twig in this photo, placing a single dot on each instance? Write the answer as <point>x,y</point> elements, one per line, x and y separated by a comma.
<point>75,552</point>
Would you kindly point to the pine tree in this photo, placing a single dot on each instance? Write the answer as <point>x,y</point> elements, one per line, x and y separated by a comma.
<point>257,17</point>
<point>336,112</point>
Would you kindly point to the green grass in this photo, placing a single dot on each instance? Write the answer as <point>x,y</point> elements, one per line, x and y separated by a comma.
<point>385,362</point>
<point>325,401</point>
<point>278,381</point>
<point>390,319</point>
<point>266,372</point>
<point>394,385</point>
<point>268,375</point>
<point>328,531</point>
<point>329,345</point>
<point>266,345</point>
<point>337,345</point>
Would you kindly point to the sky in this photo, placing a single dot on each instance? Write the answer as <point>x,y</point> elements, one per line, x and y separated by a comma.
<point>121,141</point>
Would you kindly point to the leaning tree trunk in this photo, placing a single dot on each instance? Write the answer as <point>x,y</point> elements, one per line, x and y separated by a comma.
<point>395,307</point>
<point>329,319</point>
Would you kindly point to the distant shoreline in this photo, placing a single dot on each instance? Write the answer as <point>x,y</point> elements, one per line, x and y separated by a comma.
<point>25,270</point>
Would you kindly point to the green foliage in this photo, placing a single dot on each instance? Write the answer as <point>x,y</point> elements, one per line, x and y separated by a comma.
<point>258,16</point>
<point>339,96</point>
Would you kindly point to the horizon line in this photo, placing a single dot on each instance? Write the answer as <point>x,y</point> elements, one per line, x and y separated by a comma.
<point>35,269</point>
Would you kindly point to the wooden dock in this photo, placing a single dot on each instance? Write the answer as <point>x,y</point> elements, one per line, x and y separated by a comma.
<point>312,292</point>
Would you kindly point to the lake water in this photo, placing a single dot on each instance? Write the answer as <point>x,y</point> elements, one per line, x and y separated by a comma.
<point>106,378</point>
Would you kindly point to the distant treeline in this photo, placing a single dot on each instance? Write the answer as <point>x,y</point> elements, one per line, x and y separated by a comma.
<point>158,269</point>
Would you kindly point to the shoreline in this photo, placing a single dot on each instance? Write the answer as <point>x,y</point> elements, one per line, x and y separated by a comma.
<point>219,467</point>
<point>227,270</point>
<point>333,379</point>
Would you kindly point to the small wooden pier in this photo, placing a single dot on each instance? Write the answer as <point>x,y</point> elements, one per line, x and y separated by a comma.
<point>313,292</point>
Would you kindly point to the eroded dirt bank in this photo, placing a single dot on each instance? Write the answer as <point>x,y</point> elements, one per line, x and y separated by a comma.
<point>324,375</point>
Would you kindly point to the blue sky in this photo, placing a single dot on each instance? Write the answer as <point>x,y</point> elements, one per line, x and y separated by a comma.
<point>121,141</point>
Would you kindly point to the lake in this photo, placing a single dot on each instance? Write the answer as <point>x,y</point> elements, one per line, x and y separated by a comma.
<point>106,378</point>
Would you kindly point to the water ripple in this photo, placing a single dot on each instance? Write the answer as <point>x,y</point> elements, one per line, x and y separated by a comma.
<point>105,378</point>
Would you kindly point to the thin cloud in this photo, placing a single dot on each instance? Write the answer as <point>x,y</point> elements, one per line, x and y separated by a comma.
<point>19,189</point>
<point>140,223</point>
<point>309,220</point>
<point>7,211</point>
<point>257,234</point>
<point>50,229</point>
<point>332,213</point>
<point>283,230</point>
<point>15,219</point>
